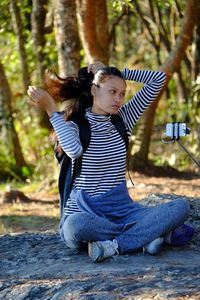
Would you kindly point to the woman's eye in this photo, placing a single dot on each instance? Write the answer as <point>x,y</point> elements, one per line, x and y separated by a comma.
<point>112,91</point>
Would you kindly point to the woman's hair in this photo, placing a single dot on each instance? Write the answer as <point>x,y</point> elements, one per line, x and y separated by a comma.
<point>76,90</point>
<point>104,73</point>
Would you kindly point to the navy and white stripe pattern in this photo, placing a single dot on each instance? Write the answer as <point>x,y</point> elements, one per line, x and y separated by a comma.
<point>68,135</point>
<point>154,81</point>
<point>104,162</point>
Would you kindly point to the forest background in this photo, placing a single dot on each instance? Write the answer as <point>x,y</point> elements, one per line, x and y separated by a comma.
<point>64,35</point>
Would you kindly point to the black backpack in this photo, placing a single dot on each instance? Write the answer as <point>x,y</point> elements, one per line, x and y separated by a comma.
<point>66,176</point>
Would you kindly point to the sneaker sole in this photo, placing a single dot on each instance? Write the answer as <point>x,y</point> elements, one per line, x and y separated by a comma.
<point>154,247</point>
<point>95,251</point>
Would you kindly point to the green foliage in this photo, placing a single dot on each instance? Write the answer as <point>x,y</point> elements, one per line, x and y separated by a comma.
<point>50,51</point>
<point>9,170</point>
<point>131,46</point>
<point>5,17</point>
<point>174,110</point>
<point>119,5</point>
<point>35,141</point>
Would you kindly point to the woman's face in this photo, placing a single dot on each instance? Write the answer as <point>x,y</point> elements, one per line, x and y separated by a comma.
<point>108,97</point>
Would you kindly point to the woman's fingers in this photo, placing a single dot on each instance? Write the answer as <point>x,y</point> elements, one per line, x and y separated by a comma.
<point>41,99</point>
<point>32,92</point>
<point>35,93</point>
<point>94,68</point>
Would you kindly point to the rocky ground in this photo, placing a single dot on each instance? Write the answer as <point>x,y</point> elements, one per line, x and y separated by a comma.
<point>38,266</point>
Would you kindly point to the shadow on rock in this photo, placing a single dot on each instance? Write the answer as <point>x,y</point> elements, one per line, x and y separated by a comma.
<point>39,266</point>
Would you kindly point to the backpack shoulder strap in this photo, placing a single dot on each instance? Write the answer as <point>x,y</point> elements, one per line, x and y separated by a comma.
<point>121,128</point>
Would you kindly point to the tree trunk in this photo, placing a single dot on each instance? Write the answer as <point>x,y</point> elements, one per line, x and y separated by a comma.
<point>38,16</point>
<point>67,38</point>
<point>170,66</point>
<point>101,18</point>
<point>6,115</point>
<point>18,29</point>
<point>93,28</point>
<point>197,52</point>
<point>196,81</point>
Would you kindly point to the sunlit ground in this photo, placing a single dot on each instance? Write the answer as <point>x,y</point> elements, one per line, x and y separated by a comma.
<point>43,212</point>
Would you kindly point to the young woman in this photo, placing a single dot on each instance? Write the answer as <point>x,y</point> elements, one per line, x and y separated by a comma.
<point>99,210</point>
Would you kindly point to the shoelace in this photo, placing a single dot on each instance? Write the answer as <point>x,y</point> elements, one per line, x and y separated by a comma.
<point>116,247</point>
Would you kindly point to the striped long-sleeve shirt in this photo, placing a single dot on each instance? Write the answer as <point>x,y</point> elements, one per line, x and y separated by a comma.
<point>104,162</point>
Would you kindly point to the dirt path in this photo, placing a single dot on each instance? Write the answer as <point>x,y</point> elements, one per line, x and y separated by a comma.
<point>43,213</point>
<point>145,185</point>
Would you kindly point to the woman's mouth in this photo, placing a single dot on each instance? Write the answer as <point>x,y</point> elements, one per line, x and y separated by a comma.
<point>116,107</point>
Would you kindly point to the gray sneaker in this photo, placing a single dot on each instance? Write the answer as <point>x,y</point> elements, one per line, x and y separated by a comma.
<point>101,250</point>
<point>153,247</point>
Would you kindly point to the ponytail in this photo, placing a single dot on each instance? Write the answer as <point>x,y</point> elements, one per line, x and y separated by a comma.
<point>76,90</point>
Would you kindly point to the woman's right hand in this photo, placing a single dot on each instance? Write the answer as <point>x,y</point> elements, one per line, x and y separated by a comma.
<point>95,67</point>
<point>41,99</point>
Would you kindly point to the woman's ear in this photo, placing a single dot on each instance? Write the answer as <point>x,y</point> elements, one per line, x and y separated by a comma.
<point>93,90</point>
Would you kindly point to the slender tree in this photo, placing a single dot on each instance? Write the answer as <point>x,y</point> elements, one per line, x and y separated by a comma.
<point>170,66</point>
<point>67,38</point>
<point>196,81</point>
<point>197,51</point>
<point>7,120</point>
<point>38,30</point>
<point>38,16</point>
<point>18,29</point>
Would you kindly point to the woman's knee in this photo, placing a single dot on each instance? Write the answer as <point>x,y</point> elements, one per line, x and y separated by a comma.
<point>182,207</point>
<point>70,230</point>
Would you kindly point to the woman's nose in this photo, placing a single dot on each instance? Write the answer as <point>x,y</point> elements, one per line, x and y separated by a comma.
<point>118,98</point>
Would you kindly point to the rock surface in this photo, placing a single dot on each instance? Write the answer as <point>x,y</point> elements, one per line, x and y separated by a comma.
<point>38,266</point>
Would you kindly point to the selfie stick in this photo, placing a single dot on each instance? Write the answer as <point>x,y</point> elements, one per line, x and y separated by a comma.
<point>191,156</point>
<point>197,162</point>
